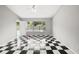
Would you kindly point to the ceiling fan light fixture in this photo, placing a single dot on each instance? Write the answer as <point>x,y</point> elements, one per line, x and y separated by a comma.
<point>34,8</point>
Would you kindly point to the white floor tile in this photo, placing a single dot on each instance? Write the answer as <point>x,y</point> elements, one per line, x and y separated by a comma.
<point>25,48</point>
<point>42,51</point>
<point>59,48</point>
<point>51,44</point>
<point>14,48</point>
<point>69,51</point>
<point>13,45</point>
<point>61,44</point>
<point>4,52</point>
<point>56,52</point>
<point>23,44</point>
<point>30,52</point>
<point>48,48</point>
<point>3,48</point>
<point>17,52</point>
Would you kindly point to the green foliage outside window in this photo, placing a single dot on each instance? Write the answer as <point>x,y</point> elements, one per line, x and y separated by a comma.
<point>17,25</point>
<point>40,25</point>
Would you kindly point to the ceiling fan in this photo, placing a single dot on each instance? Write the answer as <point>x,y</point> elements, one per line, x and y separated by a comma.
<point>34,8</point>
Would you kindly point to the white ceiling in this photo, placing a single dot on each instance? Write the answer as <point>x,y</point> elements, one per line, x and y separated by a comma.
<point>42,11</point>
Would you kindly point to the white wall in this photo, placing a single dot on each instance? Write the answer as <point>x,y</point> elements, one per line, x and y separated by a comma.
<point>7,25</point>
<point>66,27</point>
<point>23,26</point>
<point>48,25</point>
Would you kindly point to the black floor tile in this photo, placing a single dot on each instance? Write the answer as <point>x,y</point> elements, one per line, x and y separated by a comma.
<point>49,41</point>
<point>8,45</point>
<point>10,52</point>
<point>21,47</point>
<point>64,47</point>
<point>1,47</point>
<point>54,38</point>
<point>47,44</point>
<point>49,51</point>
<point>55,44</point>
<point>53,48</point>
<point>0,51</point>
<point>62,52</point>
<point>23,52</point>
<point>9,48</point>
<point>36,52</point>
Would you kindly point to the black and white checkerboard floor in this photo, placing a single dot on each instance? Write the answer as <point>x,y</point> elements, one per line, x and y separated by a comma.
<point>52,46</point>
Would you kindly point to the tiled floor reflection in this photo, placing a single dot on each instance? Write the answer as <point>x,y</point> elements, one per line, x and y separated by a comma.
<point>35,44</point>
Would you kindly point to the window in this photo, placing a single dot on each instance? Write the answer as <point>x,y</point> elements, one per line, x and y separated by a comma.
<point>17,25</point>
<point>36,25</point>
